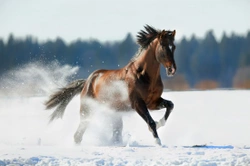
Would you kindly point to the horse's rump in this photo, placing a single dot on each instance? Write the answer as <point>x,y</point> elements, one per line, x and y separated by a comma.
<point>109,87</point>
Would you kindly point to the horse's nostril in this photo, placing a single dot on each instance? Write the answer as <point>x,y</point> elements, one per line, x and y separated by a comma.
<point>170,69</point>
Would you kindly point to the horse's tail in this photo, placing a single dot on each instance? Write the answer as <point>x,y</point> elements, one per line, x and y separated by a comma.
<point>61,98</point>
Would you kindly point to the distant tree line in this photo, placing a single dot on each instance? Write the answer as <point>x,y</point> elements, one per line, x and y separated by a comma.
<point>196,59</point>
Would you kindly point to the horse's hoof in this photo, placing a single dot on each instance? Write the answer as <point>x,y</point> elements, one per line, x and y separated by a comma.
<point>77,144</point>
<point>158,141</point>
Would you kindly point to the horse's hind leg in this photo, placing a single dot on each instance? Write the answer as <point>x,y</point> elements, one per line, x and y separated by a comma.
<point>84,121</point>
<point>117,129</point>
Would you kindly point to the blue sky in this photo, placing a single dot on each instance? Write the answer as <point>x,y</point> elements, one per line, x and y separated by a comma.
<point>111,20</point>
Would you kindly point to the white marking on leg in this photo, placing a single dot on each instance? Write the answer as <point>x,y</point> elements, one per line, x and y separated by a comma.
<point>160,123</point>
<point>158,141</point>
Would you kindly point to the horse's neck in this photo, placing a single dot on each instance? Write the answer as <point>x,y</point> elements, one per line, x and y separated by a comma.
<point>148,63</point>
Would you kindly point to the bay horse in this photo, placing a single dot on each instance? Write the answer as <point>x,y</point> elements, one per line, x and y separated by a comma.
<point>140,78</point>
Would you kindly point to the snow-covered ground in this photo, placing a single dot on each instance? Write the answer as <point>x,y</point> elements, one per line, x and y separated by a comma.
<point>219,119</point>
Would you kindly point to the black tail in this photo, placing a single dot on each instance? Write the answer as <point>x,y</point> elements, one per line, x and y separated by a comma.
<point>61,98</point>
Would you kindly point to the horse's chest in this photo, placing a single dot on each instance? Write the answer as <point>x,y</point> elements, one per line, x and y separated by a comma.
<point>153,95</point>
<point>150,90</point>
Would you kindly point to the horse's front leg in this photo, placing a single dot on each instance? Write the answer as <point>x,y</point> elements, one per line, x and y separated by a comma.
<point>142,110</point>
<point>169,105</point>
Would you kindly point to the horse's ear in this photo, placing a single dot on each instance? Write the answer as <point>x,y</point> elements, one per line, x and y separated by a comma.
<point>173,33</point>
<point>162,34</point>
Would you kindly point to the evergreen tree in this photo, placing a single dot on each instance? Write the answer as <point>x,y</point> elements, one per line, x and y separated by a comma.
<point>2,56</point>
<point>183,57</point>
<point>206,60</point>
<point>127,49</point>
<point>197,60</point>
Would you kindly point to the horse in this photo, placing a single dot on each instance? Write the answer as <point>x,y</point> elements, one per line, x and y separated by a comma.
<point>140,79</point>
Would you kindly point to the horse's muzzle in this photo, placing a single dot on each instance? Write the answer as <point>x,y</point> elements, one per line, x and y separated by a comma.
<point>170,71</point>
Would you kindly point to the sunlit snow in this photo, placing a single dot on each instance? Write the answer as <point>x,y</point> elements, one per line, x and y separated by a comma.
<point>218,119</point>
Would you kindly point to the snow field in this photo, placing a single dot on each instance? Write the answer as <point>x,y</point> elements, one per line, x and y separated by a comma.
<point>218,118</point>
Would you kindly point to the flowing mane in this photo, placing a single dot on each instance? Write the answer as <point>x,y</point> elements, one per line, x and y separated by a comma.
<point>145,38</point>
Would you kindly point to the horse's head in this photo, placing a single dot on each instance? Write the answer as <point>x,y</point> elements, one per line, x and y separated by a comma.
<point>164,48</point>
<point>165,51</point>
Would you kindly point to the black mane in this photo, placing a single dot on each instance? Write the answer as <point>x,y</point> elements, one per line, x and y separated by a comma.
<point>145,38</point>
